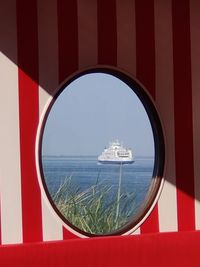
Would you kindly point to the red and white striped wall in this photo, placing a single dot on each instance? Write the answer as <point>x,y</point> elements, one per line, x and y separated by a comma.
<point>43,42</point>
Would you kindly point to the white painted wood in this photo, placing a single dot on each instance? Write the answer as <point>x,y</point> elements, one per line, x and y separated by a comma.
<point>87,33</point>
<point>10,176</point>
<point>167,204</point>
<point>126,42</point>
<point>126,36</point>
<point>136,232</point>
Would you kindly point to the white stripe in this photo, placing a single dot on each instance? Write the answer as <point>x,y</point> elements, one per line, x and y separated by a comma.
<point>126,36</point>
<point>167,207</point>
<point>126,44</point>
<point>48,80</point>
<point>87,33</point>
<point>10,177</point>
<point>133,231</point>
<point>10,183</point>
<point>136,232</point>
<point>195,59</point>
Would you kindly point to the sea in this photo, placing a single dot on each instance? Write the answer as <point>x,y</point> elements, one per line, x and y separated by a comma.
<point>85,171</point>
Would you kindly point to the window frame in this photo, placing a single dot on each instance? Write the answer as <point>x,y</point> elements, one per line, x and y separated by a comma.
<point>159,144</point>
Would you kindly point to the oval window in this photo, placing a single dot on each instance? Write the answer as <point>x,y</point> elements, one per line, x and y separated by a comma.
<point>101,153</point>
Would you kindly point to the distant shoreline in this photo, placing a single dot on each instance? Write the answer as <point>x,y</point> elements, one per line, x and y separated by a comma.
<point>88,156</point>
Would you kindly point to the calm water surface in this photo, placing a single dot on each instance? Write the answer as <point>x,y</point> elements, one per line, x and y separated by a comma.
<point>86,172</point>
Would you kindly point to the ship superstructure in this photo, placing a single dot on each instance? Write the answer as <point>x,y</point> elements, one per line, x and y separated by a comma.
<point>116,154</point>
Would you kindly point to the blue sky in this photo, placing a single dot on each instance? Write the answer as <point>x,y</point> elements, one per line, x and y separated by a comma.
<point>92,111</point>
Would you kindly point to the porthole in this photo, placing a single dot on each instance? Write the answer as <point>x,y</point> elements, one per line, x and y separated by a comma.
<point>101,153</point>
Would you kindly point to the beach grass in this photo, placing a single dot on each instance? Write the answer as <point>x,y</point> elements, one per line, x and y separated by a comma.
<point>95,210</point>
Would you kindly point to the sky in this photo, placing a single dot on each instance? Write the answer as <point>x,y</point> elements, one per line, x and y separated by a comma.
<point>91,112</point>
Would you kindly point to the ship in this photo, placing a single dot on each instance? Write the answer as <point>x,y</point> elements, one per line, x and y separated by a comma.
<point>115,153</point>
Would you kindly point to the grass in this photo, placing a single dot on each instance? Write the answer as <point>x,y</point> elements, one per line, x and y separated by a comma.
<point>96,210</point>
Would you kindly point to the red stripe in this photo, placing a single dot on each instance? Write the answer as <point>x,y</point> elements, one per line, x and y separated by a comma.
<point>152,223</point>
<point>145,69</point>
<point>107,32</point>
<point>67,38</point>
<point>183,115</point>
<point>68,49</point>
<point>28,117</point>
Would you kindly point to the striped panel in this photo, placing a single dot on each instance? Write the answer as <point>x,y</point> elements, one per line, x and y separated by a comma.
<point>183,115</point>
<point>48,80</point>
<point>165,105</point>
<point>28,118</point>
<point>145,70</point>
<point>10,180</point>
<point>149,39</point>
<point>195,59</point>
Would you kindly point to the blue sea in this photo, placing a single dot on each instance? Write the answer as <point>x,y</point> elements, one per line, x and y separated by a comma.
<point>85,171</point>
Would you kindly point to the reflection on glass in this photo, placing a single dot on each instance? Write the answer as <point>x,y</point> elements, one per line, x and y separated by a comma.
<point>98,154</point>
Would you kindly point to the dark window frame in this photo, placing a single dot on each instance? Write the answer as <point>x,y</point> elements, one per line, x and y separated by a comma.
<point>159,160</point>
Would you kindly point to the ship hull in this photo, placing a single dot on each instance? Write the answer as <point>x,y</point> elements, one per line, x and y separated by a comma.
<point>115,161</point>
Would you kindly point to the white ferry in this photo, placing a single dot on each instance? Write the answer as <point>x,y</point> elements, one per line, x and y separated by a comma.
<point>116,154</point>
